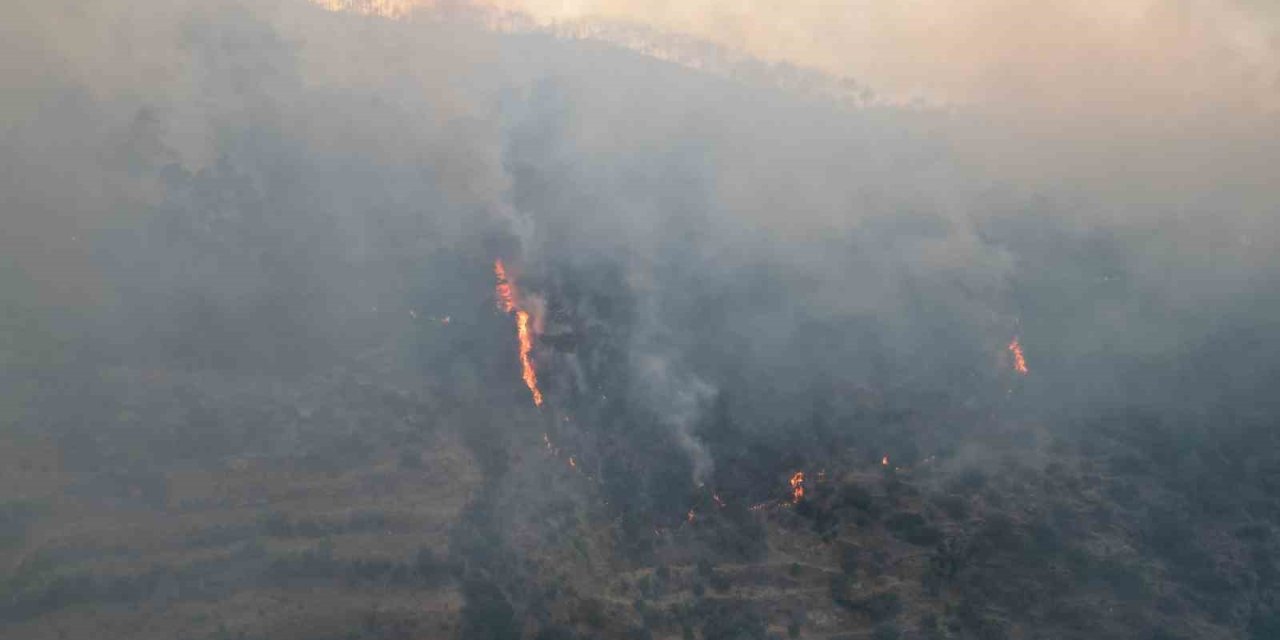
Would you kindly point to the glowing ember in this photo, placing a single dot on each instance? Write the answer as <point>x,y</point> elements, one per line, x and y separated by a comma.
<point>797,487</point>
<point>1019,362</point>
<point>884,462</point>
<point>506,293</point>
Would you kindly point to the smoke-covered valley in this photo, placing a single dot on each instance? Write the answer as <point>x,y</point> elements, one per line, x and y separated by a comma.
<point>281,286</point>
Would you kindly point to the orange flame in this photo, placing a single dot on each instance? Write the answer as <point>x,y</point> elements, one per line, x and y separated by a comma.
<point>505,290</point>
<point>526,364</point>
<point>1019,362</point>
<point>797,486</point>
<point>506,294</point>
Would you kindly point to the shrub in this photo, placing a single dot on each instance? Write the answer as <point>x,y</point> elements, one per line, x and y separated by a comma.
<point>887,631</point>
<point>882,606</point>
<point>912,527</point>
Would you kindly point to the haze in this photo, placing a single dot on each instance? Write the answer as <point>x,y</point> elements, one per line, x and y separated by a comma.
<point>525,319</point>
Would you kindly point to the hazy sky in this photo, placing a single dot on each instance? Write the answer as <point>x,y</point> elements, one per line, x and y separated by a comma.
<point>1148,98</point>
<point>1072,58</point>
<point>1153,112</point>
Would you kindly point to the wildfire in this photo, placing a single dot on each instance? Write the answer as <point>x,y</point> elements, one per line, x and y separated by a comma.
<point>506,294</point>
<point>797,487</point>
<point>1019,362</point>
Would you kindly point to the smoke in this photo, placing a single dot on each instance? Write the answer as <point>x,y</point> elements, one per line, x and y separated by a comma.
<point>1072,90</point>
<point>732,278</point>
<point>284,171</point>
<point>679,398</point>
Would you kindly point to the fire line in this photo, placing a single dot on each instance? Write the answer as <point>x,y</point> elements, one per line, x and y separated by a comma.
<point>506,294</point>
<point>1019,362</point>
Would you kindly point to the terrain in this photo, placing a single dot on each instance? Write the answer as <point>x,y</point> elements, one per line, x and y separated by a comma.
<point>336,325</point>
<point>344,507</point>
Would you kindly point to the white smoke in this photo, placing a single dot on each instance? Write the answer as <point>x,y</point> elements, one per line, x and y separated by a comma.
<point>679,398</point>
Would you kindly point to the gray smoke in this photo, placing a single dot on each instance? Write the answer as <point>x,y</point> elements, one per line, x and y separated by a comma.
<point>266,184</point>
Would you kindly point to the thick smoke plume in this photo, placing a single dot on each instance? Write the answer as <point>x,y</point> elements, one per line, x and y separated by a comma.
<point>212,207</point>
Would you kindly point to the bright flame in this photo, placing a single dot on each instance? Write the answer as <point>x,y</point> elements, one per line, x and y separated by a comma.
<point>505,290</point>
<point>506,293</point>
<point>526,364</point>
<point>797,486</point>
<point>884,462</point>
<point>1019,362</point>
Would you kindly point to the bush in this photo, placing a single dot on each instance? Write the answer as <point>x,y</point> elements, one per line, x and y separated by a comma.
<point>956,507</point>
<point>733,621</point>
<point>15,516</point>
<point>887,631</point>
<point>487,614</point>
<point>848,559</point>
<point>840,587</point>
<point>793,629</point>
<point>912,527</point>
<point>720,582</point>
<point>856,497</point>
<point>882,606</point>
<point>410,460</point>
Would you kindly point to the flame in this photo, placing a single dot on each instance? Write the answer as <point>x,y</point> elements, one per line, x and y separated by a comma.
<point>506,294</point>
<point>526,364</point>
<point>505,290</point>
<point>1019,362</point>
<point>797,487</point>
<point>884,462</point>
